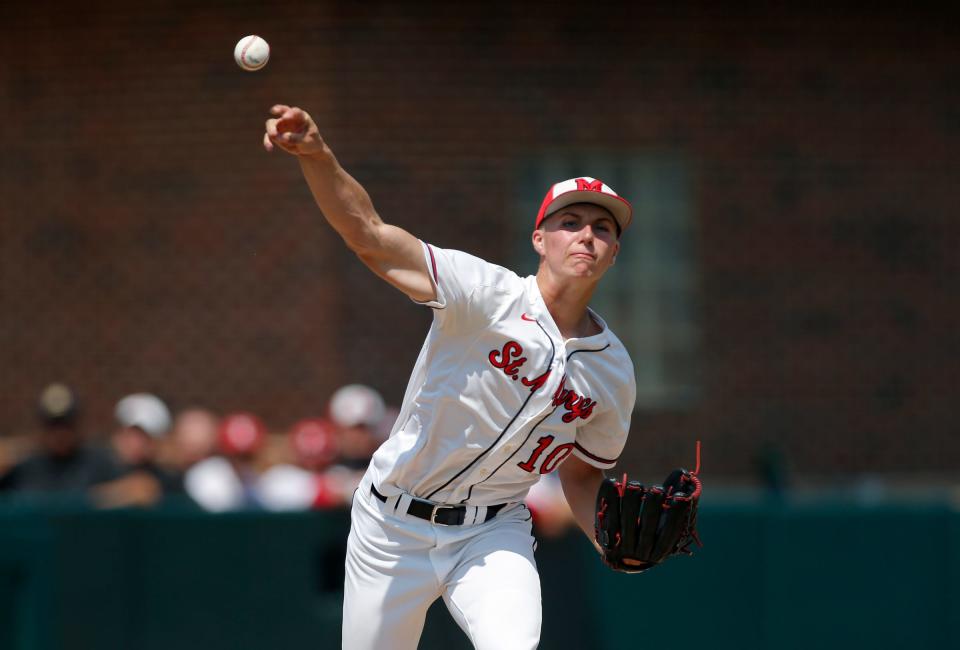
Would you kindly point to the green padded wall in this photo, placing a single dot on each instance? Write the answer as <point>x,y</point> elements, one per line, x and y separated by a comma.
<point>769,575</point>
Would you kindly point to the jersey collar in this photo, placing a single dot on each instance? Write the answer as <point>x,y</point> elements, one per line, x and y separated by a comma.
<point>542,314</point>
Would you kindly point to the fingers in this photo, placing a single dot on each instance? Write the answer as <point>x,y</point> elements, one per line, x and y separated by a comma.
<point>275,133</point>
<point>270,134</point>
<point>287,129</point>
<point>286,141</point>
<point>293,120</point>
<point>278,128</point>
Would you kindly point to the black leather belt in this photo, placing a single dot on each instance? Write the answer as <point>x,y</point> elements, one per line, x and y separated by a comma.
<point>443,515</point>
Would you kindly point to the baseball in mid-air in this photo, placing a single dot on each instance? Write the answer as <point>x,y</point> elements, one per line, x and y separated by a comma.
<point>251,53</point>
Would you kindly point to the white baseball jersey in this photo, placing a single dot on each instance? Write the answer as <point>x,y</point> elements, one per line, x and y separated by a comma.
<point>497,396</point>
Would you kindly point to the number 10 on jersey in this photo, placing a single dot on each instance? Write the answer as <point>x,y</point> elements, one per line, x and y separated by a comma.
<point>553,459</point>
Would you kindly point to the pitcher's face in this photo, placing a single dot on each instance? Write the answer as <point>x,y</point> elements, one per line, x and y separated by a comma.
<point>579,240</point>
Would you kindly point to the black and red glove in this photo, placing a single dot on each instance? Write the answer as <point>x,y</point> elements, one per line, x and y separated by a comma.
<point>647,524</point>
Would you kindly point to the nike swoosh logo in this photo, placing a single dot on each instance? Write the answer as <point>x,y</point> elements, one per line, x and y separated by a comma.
<point>525,317</point>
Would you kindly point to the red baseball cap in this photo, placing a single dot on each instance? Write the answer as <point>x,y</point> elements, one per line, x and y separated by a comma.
<point>585,190</point>
<point>314,440</point>
<point>241,434</point>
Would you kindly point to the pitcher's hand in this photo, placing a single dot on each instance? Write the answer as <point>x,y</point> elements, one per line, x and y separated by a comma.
<point>293,130</point>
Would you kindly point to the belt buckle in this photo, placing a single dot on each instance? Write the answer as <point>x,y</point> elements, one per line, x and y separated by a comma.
<point>433,516</point>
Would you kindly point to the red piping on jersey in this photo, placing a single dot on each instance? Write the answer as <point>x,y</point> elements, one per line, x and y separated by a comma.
<point>593,456</point>
<point>433,263</point>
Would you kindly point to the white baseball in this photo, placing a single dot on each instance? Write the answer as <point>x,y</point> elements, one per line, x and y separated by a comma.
<point>251,53</point>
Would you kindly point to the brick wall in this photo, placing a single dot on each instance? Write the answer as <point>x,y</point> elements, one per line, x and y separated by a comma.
<point>148,243</point>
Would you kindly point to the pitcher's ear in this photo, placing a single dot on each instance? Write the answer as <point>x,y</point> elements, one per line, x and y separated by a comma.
<point>537,239</point>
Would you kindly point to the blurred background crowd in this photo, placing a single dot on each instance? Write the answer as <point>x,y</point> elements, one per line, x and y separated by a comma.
<point>785,293</point>
<point>195,457</point>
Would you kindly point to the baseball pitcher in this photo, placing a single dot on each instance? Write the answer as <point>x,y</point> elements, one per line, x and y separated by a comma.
<point>517,378</point>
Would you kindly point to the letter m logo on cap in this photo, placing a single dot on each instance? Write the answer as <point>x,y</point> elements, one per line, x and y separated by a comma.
<point>583,185</point>
<point>585,190</point>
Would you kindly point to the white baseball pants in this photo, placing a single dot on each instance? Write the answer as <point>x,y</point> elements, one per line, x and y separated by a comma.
<point>398,564</point>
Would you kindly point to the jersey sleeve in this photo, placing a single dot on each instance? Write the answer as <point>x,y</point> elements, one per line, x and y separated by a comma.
<point>600,441</point>
<point>466,286</point>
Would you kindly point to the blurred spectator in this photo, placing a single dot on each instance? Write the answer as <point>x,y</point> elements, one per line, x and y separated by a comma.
<point>358,412</point>
<point>306,483</point>
<point>314,443</point>
<point>144,421</point>
<point>62,462</point>
<point>551,515</point>
<point>193,439</point>
<point>229,481</point>
<point>14,447</point>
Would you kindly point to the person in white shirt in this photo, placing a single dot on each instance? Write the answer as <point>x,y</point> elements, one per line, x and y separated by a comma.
<point>517,378</point>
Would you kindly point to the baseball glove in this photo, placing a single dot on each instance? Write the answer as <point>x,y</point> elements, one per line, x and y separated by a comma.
<point>647,524</point>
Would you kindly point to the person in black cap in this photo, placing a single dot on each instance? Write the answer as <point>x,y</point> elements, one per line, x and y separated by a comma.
<point>62,463</point>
